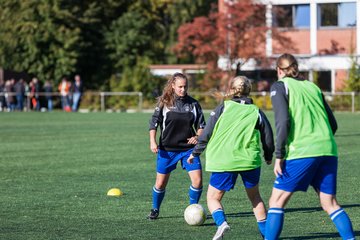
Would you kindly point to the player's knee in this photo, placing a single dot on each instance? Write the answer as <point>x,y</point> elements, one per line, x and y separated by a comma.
<point>329,206</point>
<point>196,180</point>
<point>197,183</point>
<point>279,200</point>
<point>214,195</point>
<point>160,185</point>
<point>328,202</point>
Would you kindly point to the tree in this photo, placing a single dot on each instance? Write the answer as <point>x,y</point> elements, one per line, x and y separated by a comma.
<point>37,39</point>
<point>51,38</point>
<point>144,35</point>
<point>353,83</point>
<point>237,34</point>
<point>96,39</point>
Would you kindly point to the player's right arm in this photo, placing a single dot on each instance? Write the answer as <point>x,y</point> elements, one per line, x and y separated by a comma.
<point>278,167</point>
<point>155,120</point>
<point>153,144</point>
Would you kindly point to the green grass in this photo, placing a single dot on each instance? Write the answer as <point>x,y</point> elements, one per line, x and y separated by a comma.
<point>55,170</point>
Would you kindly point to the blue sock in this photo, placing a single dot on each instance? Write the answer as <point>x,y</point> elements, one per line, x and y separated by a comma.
<point>194,194</point>
<point>158,196</point>
<point>218,216</point>
<point>262,227</point>
<point>274,223</point>
<point>343,224</point>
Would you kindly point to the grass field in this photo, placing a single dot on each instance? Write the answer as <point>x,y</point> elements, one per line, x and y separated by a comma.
<point>56,168</point>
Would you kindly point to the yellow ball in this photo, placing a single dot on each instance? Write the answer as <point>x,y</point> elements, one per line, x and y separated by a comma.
<point>115,192</point>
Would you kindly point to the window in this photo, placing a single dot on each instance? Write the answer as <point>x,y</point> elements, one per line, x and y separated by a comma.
<point>323,80</point>
<point>337,14</point>
<point>297,16</point>
<point>302,16</point>
<point>347,14</point>
<point>328,14</point>
<point>282,16</point>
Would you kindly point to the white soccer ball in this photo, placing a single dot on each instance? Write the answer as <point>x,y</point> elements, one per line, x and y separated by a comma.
<point>195,215</point>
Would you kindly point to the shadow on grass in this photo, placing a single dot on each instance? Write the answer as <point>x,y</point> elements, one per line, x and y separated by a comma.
<point>317,209</point>
<point>320,236</point>
<point>289,210</point>
<point>347,135</point>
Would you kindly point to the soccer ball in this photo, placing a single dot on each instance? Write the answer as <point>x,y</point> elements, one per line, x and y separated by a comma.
<point>195,215</point>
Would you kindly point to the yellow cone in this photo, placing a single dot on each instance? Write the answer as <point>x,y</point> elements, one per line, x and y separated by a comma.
<point>115,192</point>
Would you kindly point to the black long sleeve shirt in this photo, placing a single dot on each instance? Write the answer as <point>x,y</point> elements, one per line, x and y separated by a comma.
<point>280,101</point>
<point>178,123</point>
<point>262,125</point>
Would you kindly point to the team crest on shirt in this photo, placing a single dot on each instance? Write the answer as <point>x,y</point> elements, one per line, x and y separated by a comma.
<point>187,108</point>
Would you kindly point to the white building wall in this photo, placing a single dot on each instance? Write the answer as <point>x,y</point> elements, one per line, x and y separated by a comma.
<point>312,62</point>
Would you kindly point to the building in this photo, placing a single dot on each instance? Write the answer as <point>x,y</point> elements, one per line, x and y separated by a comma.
<point>191,70</point>
<point>325,34</point>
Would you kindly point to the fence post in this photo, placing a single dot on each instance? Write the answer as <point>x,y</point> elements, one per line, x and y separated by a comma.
<point>28,104</point>
<point>102,100</point>
<point>352,102</point>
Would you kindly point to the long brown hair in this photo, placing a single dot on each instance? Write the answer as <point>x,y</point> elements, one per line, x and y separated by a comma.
<point>168,96</point>
<point>289,65</point>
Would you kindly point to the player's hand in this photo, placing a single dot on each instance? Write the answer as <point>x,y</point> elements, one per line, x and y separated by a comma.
<point>278,167</point>
<point>268,162</point>
<point>154,147</point>
<point>190,159</point>
<point>193,140</point>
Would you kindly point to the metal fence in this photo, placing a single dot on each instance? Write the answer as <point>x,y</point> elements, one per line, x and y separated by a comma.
<point>134,101</point>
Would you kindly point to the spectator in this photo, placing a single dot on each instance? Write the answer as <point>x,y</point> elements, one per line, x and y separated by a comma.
<point>9,95</point>
<point>34,91</point>
<point>2,95</point>
<point>64,88</point>
<point>20,93</point>
<point>48,89</point>
<point>77,90</point>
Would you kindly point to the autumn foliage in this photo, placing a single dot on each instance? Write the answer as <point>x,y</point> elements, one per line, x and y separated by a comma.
<point>237,33</point>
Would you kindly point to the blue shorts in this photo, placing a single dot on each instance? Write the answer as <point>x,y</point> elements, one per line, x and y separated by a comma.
<point>167,161</point>
<point>225,181</point>
<point>319,172</point>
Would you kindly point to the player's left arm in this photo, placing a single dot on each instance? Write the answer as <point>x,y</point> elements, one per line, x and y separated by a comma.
<point>267,136</point>
<point>280,104</point>
<point>199,124</point>
<point>331,117</point>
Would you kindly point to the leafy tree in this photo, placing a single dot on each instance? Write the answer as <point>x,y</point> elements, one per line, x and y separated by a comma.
<point>96,39</point>
<point>237,34</point>
<point>51,38</point>
<point>127,39</point>
<point>353,83</point>
<point>37,39</point>
<point>145,35</point>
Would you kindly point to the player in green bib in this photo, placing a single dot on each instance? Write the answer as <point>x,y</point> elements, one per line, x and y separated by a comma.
<point>232,141</point>
<point>306,151</point>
